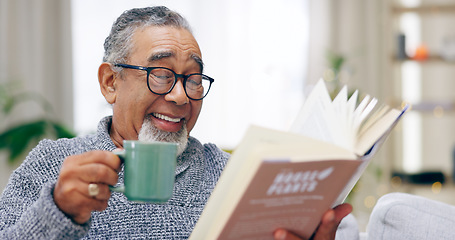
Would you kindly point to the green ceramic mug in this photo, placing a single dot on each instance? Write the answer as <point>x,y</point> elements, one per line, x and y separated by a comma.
<point>149,170</point>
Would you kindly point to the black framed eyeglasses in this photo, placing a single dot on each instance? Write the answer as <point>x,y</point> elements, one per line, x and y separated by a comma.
<point>161,81</point>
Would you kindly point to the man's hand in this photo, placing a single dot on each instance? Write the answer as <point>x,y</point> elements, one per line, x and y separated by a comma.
<point>327,228</point>
<point>77,172</point>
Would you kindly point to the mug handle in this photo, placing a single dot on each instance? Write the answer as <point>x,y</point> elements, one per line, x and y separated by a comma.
<point>120,188</point>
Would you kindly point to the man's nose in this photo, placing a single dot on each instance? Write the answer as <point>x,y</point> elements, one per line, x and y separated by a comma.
<point>177,94</point>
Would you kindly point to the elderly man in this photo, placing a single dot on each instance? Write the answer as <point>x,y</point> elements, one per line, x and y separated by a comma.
<point>152,76</point>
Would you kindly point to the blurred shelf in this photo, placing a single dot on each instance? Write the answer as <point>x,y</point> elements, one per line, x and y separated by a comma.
<point>434,106</point>
<point>432,185</point>
<point>421,178</point>
<point>437,108</point>
<point>429,59</point>
<point>426,9</point>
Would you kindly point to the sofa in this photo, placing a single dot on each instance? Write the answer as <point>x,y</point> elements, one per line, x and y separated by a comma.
<point>403,216</point>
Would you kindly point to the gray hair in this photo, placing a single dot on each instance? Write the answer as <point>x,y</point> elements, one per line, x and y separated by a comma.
<point>117,45</point>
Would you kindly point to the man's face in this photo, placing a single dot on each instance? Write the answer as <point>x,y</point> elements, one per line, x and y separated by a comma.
<point>153,46</point>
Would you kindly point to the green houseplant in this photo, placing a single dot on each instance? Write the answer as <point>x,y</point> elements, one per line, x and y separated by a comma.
<point>18,138</point>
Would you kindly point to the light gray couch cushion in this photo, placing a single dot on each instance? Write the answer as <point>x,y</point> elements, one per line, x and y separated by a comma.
<point>404,216</point>
<point>348,229</point>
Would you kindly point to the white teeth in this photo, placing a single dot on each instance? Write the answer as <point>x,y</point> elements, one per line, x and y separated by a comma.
<point>161,116</point>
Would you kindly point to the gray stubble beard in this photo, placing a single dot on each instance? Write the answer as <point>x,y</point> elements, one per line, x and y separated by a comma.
<point>150,133</point>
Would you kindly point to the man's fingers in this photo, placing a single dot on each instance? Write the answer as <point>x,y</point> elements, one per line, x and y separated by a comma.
<point>98,173</point>
<point>282,234</point>
<point>80,205</point>
<point>342,211</point>
<point>326,230</point>
<point>103,157</point>
<point>71,192</point>
<point>330,221</point>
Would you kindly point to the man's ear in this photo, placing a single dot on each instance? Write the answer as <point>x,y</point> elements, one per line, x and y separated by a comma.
<point>106,79</point>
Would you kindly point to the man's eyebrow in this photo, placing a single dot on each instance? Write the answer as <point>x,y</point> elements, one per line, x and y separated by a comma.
<point>198,61</point>
<point>160,55</point>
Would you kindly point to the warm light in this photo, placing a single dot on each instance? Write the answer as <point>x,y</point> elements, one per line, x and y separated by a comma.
<point>395,182</point>
<point>421,53</point>
<point>436,187</point>
<point>329,75</point>
<point>369,201</point>
<point>438,112</point>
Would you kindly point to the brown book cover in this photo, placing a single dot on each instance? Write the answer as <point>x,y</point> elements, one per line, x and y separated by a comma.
<point>291,195</point>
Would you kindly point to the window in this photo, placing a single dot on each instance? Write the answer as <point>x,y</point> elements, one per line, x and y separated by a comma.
<point>254,44</point>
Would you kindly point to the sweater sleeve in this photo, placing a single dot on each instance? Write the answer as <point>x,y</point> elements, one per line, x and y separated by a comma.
<point>27,207</point>
<point>42,220</point>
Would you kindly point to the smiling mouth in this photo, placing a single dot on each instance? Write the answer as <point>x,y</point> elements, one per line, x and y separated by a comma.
<point>166,118</point>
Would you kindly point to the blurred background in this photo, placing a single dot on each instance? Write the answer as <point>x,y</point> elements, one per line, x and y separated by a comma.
<point>396,50</point>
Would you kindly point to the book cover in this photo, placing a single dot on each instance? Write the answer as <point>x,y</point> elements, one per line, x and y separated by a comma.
<point>287,195</point>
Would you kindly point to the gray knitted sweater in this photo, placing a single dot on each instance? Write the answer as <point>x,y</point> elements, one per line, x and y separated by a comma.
<point>27,209</point>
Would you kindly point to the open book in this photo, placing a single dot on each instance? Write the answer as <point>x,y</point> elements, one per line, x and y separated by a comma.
<point>277,179</point>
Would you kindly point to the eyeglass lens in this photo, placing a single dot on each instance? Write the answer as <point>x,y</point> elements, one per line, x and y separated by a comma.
<point>161,80</point>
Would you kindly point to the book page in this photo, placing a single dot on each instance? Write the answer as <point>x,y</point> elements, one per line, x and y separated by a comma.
<point>315,118</point>
<point>368,153</point>
<point>343,122</point>
<point>373,118</point>
<point>376,131</point>
<point>351,134</point>
<point>340,105</point>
